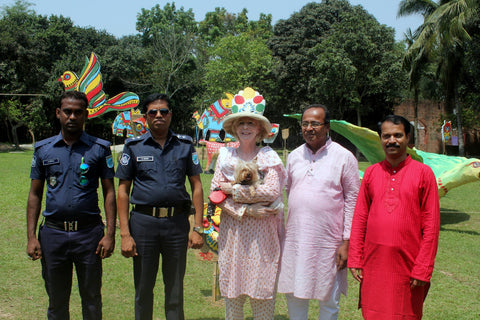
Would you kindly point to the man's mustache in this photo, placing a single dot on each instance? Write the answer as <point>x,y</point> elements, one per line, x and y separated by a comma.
<point>392,145</point>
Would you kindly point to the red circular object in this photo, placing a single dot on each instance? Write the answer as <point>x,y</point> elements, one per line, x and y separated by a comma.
<point>239,100</point>
<point>257,99</point>
<point>205,223</point>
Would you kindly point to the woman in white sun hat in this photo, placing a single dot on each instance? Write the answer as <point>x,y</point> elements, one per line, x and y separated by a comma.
<point>252,224</point>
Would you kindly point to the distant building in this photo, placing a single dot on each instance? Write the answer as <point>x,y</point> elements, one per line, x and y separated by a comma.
<point>429,128</point>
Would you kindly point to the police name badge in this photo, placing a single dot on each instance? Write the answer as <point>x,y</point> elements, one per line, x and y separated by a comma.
<point>50,162</point>
<point>52,181</point>
<point>109,161</point>
<point>195,158</point>
<point>125,159</point>
<point>145,159</point>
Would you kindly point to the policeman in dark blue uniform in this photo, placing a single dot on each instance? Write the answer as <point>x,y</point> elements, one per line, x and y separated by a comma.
<point>73,232</point>
<point>157,164</point>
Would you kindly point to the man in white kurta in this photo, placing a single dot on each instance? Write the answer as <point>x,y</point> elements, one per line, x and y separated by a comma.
<point>322,188</point>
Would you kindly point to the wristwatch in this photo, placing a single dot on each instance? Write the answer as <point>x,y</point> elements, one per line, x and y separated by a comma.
<point>198,229</point>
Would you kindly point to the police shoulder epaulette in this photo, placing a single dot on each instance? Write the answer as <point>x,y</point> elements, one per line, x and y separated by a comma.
<point>44,142</point>
<point>103,143</point>
<point>184,137</point>
<point>134,139</point>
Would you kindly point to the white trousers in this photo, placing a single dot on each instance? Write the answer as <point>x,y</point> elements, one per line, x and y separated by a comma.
<point>298,308</point>
<point>262,309</point>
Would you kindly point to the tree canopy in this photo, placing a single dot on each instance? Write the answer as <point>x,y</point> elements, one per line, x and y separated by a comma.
<point>443,40</point>
<point>329,52</point>
<point>357,66</point>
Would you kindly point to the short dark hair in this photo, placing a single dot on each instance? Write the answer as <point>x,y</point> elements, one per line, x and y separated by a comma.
<point>395,119</point>
<point>321,106</point>
<point>154,97</point>
<point>74,95</point>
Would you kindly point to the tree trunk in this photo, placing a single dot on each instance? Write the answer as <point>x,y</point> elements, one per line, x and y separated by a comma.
<point>461,145</point>
<point>33,136</point>
<point>7,125</point>
<point>359,123</point>
<point>359,117</point>
<point>415,108</point>
<point>16,142</point>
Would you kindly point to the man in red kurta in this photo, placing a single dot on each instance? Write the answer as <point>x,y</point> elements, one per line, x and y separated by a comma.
<point>395,229</point>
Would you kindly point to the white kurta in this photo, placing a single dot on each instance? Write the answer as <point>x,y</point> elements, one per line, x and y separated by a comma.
<point>322,190</point>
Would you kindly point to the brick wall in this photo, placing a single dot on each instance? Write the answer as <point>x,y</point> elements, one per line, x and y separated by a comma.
<point>430,123</point>
<point>429,115</point>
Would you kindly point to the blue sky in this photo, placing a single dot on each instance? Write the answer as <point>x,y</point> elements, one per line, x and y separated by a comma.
<point>118,17</point>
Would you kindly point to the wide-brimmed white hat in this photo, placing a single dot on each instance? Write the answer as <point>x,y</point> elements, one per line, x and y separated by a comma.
<point>247,103</point>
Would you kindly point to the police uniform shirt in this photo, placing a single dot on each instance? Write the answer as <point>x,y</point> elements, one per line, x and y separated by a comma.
<point>158,174</point>
<point>70,190</point>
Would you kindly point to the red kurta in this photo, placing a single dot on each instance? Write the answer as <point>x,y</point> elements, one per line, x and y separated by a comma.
<point>394,238</point>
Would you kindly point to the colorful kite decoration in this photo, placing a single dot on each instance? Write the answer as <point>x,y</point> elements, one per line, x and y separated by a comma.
<point>132,121</point>
<point>90,82</point>
<point>450,171</point>
<point>213,150</point>
<point>272,135</point>
<point>211,224</point>
<point>211,120</point>
<point>446,131</point>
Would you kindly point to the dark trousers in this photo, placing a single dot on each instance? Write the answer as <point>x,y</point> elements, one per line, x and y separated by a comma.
<point>60,250</point>
<point>155,236</point>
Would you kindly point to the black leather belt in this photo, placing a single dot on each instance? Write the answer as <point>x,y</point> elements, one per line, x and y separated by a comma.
<point>161,212</point>
<point>70,224</point>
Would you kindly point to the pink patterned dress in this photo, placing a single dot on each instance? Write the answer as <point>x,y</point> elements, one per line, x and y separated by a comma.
<point>249,247</point>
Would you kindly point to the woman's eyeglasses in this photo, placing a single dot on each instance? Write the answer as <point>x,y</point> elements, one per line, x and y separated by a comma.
<point>83,170</point>
<point>152,113</point>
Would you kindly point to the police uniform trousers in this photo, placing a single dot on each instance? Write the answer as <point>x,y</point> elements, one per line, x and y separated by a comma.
<point>60,251</point>
<point>154,236</point>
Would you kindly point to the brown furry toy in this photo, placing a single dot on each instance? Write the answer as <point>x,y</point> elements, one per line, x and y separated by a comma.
<point>246,173</point>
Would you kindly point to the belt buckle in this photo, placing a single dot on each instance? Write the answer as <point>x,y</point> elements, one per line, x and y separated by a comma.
<point>70,225</point>
<point>162,212</point>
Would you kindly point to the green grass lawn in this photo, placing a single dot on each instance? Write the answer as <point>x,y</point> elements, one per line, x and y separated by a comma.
<point>455,291</point>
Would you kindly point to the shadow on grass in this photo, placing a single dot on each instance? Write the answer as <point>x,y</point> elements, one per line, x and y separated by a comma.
<point>277,317</point>
<point>206,293</point>
<point>449,216</point>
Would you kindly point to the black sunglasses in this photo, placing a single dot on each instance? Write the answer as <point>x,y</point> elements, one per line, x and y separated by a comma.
<point>153,112</point>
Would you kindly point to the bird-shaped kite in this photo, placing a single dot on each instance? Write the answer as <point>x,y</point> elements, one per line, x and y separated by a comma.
<point>450,171</point>
<point>90,82</point>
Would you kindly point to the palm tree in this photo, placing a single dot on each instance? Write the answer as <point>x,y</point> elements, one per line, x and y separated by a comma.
<point>414,68</point>
<point>417,62</point>
<point>423,7</point>
<point>442,38</point>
